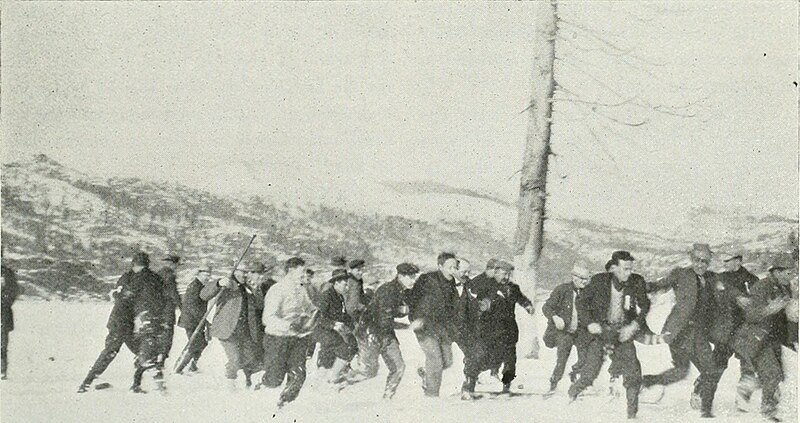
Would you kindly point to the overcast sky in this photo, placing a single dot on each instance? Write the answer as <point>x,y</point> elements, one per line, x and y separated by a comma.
<point>297,101</point>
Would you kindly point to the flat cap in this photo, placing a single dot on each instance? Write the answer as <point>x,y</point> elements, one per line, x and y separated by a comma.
<point>701,250</point>
<point>407,269</point>
<point>492,263</point>
<point>504,265</point>
<point>174,258</point>
<point>621,255</point>
<point>339,261</point>
<point>355,264</point>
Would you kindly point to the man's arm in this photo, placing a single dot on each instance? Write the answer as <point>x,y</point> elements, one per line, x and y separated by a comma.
<point>270,317</point>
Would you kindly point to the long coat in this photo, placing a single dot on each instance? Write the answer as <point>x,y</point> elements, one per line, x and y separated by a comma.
<point>193,307</point>
<point>230,312</point>
<point>433,300</point>
<point>499,323</point>
<point>331,310</point>
<point>9,293</point>
<point>150,302</point>
<point>558,304</point>
<point>683,282</point>
<point>596,299</point>
<point>171,291</point>
<point>120,321</point>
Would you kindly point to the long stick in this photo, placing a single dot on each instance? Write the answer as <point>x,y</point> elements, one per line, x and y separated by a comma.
<point>184,357</point>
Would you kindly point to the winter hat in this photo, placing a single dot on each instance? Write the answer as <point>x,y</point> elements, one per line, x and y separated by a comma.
<point>504,265</point>
<point>491,264</point>
<point>701,251</point>
<point>339,261</point>
<point>140,258</point>
<point>407,269</point>
<point>355,264</point>
<point>172,258</point>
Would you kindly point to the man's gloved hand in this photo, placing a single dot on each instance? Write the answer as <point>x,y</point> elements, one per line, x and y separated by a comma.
<point>559,322</point>
<point>667,337</point>
<point>341,328</point>
<point>226,282</point>
<point>594,328</point>
<point>416,325</point>
<point>484,304</point>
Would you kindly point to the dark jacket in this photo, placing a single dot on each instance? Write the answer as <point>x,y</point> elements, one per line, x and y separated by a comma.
<point>683,281</point>
<point>171,291</point>
<point>120,320</point>
<point>729,316</point>
<point>10,291</point>
<point>150,301</point>
<point>355,300</point>
<point>596,299</point>
<point>384,308</point>
<point>193,307</point>
<point>331,310</point>
<point>762,293</point>
<point>558,304</point>
<point>235,306</point>
<point>499,323</point>
<point>433,300</point>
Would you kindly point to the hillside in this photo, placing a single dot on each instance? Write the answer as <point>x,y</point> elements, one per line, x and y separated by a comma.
<point>71,235</point>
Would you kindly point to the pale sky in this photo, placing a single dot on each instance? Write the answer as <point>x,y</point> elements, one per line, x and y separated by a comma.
<point>312,101</point>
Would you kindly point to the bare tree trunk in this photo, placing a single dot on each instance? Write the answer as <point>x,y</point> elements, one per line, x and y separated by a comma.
<point>532,191</point>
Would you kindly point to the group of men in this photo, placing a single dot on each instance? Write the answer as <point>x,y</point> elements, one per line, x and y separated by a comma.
<point>274,327</point>
<point>715,316</point>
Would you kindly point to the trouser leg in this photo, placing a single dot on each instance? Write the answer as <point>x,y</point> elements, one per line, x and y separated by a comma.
<point>369,350</point>
<point>434,363</point>
<point>394,362</point>
<point>680,368</point>
<point>770,373</point>
<point>625,360</point>
<point>703,359</point>
<point>509,363</point>
<point>276,363</point>
<point>233,359</point>
<point>4,351</point>
<point>563,350</point>
<point>114,342</point>
<point>593,361</point>
<point>296,364</point>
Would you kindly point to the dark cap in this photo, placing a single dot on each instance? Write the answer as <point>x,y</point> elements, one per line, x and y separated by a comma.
<point>355,264</point>
<point>407,269</point>
<point>339,261</point>
<point>293,263</point>
<point>339,273</point>
<point>701,250</point>
<point>491,264</point>
<point>782,261</point>
<point>140,258</point>
<point>174,258</point>
<point>618,256</point>
<point>504,265</point>
<point>609,264</point>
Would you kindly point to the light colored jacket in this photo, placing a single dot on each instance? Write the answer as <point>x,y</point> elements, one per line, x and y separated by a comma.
<point>286,302</point>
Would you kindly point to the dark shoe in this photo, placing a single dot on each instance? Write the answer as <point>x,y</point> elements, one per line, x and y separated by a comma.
<point>573,394</point>
<point>138,390</point>
<point>553,385</point>
<point>193,366</point>
<point>507,387</point>
<point>573,377</point>
<point>83,388</point>
<point>772,419</point>
<point>707,414</point>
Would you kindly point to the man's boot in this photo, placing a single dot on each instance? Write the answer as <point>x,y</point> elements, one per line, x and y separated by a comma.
<point>137,381</point>
<point>468,388</point>
<point>337,371</point>
<point>632,397</point>
<point>159,379</point>
<point>247,380</point>
<point>87,383</point>
<point>553,385</point>
<point>506,387</point>
<point>193,366</point>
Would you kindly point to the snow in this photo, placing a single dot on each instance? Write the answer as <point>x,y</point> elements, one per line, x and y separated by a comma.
<point>55,343</point>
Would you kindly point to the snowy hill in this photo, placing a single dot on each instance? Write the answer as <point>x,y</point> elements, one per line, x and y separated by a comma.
<point>70,235</point>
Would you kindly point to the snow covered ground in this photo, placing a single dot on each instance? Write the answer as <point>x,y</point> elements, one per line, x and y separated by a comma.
<point>56,342</point>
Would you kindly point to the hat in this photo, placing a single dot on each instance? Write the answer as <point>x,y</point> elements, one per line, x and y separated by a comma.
<point>621,255</point>
<point>355,264</point>
<point>728,256</point>
<point>204,267</point>
<point>491,264</point>
<point>504,265</point>
<point>407,269</point>
<point>579,270</point>
<point>172,258</point>
<point>701,250</point>
<point>257,267</point>
<point>339,273</point>
<point>140,258</point>
<point>782,261</point>
<point>339,261</point>
<point>609,264</point>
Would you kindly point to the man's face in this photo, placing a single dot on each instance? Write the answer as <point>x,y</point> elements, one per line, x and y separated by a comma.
<point>448,269</point>
<point>490,272</point>
<point>700,262</point>
<point>296,273</point>
<point>340,286</point>
<point>501,275</point>
<point>463,270</point>
<point>203,276</point>
<point>137,268</point>
<point>253,278</point>
<point>579,281</point>
<point>733,265</point>
<point>622,270</point>
<point>357,273</point>
<point>408,281</point>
